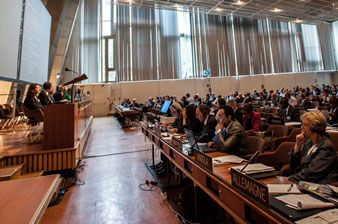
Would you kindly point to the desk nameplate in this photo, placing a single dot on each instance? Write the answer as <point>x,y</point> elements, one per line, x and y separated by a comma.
<point>255,189</point>
<point>203,159</point>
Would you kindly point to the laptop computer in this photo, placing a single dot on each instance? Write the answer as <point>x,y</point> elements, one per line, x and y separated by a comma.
<point>192,141</point>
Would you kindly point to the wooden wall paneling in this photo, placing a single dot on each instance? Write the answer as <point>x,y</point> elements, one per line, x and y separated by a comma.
<point>35,163</point>
<point>30,163</point>
<point>40,162</point>
<point>69,160</point>
<point>45,161</point>
<point>25,161</point>
<point>59,154</point>
<point>73,160</point>
<point>55,161</point>
<point>50,161</point>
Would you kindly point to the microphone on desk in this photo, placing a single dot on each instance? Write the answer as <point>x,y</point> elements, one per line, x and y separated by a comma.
<point>253,157</point>
<point>68,70</point>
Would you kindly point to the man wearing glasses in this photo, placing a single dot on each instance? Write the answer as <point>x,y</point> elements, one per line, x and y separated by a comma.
<point>230,136</point>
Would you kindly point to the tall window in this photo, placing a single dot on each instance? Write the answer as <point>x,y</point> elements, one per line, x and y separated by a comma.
<point>108,42</point>
<point>311,46</point>
<point>335,30</point>
<point>185,45</point>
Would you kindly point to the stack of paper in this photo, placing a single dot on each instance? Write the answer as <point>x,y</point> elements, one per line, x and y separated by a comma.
<point>227,160</point>
<point>326,217</point>
<point>303,201</point>
<point>254,168</point>
<point>283,188</point>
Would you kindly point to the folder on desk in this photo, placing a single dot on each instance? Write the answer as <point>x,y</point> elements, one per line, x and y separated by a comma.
<point>290,213</point>
<point>304,201</point>
<point>227,160</point>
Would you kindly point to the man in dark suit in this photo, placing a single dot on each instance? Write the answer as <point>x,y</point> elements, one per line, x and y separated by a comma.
<point>237,111</point>
<point>45,96</point>
<point>304,102</point>
<point>333,110</point>
<point>209,121</point>
<point>288,112</point>
<point>230,135</point>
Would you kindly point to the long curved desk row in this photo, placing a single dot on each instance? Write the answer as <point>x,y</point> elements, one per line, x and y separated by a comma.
<point>217,184</point>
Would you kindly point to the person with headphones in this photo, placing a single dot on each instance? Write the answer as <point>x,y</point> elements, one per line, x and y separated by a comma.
<point>176,111</point>
<point>314,158</point>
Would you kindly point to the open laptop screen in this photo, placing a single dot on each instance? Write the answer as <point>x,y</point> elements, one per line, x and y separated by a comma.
<point>165,106</point>
<point>190,137</point>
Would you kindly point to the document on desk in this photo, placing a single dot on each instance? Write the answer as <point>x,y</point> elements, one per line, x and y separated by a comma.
<point>303,201</point>
<point>283,188</point>
<point>329,216</point>
<point>227,160</point>
<point>254,168</point>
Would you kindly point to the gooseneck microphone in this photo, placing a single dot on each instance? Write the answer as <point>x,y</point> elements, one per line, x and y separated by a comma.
<point>68,70</point>
<point>252,159</point>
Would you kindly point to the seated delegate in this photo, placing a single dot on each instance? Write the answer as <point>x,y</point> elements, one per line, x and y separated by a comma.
<point>190,121</point>
<point>230,135</point>
<point>176,111</point>
<point>251,120</point>
<point>209,123</point>
<point>314,158</point>
<point>31,101</point>
<point>45,96</point>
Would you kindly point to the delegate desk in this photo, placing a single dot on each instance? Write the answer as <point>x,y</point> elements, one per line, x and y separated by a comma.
<point>126,114</point>
<point>25,200</point>
<point>217,185</point>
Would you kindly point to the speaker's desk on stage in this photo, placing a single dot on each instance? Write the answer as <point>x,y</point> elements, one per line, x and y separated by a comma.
<point>25,200</point>
<point>67,124</point>
<point>217,185</point>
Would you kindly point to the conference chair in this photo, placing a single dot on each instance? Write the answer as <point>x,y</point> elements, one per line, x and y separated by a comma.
<point>279,131</point>
<point>290,138</point>
<point>278,158</point>
<point>257,144</point>
<point>34,119</point>
<point>334,138</point>
<point>5,117</point>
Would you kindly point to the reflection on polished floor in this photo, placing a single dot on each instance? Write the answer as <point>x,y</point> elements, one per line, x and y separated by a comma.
<point>111,193</point>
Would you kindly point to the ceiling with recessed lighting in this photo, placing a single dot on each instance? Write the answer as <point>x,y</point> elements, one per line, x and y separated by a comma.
<point>307,11</point>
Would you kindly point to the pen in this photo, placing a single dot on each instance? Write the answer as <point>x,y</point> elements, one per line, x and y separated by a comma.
<point>289,189</point>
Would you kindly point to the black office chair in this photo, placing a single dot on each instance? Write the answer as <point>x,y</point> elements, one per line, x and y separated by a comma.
<point>34,119</point>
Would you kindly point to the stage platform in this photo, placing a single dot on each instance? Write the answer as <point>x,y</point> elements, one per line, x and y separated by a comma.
<point>36,157</point>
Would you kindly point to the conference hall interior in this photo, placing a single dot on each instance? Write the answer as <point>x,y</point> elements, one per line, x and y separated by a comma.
<point>168,111</point>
